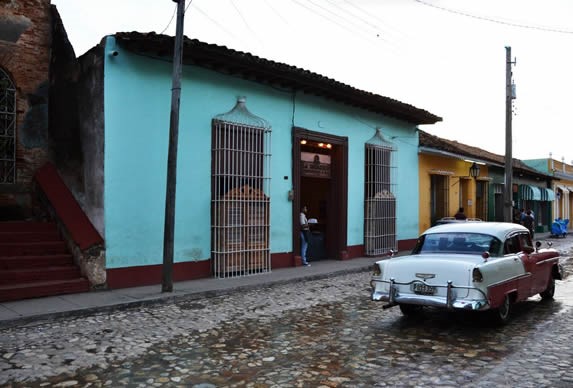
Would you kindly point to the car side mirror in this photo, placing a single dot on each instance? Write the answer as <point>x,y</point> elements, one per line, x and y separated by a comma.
<point>537,244</point>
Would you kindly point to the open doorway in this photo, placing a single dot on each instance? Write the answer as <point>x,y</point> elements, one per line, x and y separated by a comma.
<point>320,182</point>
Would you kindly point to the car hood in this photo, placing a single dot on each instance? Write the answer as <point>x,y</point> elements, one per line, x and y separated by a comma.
<point>433,268</point>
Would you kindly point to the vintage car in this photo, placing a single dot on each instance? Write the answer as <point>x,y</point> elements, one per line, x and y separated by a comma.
<point>478,266</point>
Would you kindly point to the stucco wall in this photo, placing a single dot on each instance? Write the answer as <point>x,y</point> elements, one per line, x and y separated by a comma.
<point>91,129</point>
<point>137,95</point>
<point>458,168</point>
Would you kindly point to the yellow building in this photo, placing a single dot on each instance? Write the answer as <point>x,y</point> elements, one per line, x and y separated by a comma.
<point>446,185</point>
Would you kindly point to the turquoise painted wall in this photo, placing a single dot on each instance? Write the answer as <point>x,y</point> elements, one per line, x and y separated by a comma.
<point>538,164</point>
<point>137,98</point>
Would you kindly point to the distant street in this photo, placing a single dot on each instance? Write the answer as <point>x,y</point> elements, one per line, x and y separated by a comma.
<point>316,333</point>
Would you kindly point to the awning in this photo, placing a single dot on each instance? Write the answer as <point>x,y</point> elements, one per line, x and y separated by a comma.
<point>547,194</point>
<point>530,193</point>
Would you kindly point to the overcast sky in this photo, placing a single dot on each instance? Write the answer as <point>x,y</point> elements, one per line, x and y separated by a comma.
<point>445,56</point>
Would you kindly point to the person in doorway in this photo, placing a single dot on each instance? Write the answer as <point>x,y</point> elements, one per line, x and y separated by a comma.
<point>304,236</point>
<point>460,215</point>
<point>522,217</point>
<point>528,222</point>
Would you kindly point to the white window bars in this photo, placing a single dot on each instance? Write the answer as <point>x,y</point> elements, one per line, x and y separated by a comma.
<point>240,222</point>
<point>380,200</point>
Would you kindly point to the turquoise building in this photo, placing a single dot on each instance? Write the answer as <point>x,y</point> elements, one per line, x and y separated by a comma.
<point>257,141</point>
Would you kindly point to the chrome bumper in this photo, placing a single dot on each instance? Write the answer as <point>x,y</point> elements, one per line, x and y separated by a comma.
<point>393,297</point>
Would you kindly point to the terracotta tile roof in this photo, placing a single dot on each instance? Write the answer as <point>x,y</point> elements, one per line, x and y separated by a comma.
<point>434,142</point>
<point>251,67</point>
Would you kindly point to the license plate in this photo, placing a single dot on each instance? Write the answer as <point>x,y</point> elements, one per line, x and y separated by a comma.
<point>421,288</point>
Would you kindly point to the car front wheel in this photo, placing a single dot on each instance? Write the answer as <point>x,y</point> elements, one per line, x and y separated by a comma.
<point>502,313</point>
<point>549,291</point>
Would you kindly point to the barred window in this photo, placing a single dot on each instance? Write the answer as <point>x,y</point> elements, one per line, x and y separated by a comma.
<point>240,193</point>
<point>7,129</point>
<point>380,201</point>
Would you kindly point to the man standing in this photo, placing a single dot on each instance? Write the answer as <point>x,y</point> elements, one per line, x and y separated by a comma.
<point>304,236</point>
<point>528,223</point>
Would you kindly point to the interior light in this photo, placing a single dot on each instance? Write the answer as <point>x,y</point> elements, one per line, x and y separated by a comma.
<point>303,141</point>
<point>321,144</point>
<point>329,146</point>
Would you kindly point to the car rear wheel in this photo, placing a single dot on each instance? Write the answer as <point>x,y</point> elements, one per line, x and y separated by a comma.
<point>549,291</point>
<point>410,310</point>
<point>503,312</point>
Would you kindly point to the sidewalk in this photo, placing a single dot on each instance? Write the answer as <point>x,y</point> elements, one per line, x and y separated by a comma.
<point>32,310</point>
<point>40,309</point>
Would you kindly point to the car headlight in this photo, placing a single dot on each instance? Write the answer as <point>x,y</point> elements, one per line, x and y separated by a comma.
<point>376,271</point>
<point>477,275</point>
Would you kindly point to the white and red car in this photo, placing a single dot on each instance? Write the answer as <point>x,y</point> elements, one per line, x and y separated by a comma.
<point>475,266</point>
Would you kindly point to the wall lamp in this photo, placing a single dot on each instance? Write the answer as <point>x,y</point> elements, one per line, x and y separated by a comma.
<point>474,170</point>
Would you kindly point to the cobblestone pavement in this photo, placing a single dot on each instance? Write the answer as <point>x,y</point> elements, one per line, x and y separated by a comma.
<point>322,333</point>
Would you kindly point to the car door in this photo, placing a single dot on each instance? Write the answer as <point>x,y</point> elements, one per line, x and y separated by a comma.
<point>535,263</point>
<point>512,248</point>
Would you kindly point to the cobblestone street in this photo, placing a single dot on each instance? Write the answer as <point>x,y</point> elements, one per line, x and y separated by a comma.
<point>315,333</point>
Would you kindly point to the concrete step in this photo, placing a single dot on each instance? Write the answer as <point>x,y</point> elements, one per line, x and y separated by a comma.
<point>11,292</point>
<point>32,248</point>
<point>34,261</point>
<point>31,275</point>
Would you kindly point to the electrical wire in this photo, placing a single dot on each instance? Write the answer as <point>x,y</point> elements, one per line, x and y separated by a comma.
<point>491,20</point>
<point>275,11</point>
<point>173,15</point>
<point>170,20</point>
<point>215,22</point>
<point>247,24</point>
<point>330,19</point>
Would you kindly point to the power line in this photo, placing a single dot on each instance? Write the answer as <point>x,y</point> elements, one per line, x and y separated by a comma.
<point>330,19</point>
<point>170,20</point>
<point>246,23</point>
<point>491,20</point>
<point>216,23</point>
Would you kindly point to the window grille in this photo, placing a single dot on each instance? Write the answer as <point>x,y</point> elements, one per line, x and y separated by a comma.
<point>380,201</point>
<point>240,222</point>
<point>7,129</point>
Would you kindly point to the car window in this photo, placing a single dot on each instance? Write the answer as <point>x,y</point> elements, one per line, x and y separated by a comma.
<point>512,245</point>
<point>468,243</point>
<point>525,242</point>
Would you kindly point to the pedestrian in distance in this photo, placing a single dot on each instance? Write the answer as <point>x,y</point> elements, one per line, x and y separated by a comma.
<point>528,222</point>
<point>460,215</point>
<point>304,236</point>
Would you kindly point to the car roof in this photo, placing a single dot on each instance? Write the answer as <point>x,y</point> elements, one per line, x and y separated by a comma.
<point>497,229</point>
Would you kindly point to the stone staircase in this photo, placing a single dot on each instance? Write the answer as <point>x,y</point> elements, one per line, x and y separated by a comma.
<point>35,262</point>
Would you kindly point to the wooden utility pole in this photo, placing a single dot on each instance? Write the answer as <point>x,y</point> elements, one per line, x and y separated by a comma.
<point>169,231</point>
<point>508,187</point>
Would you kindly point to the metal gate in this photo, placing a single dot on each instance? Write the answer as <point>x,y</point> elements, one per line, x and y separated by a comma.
<point>7,129</point>
<point>380,202</point>
<point>240,187</point>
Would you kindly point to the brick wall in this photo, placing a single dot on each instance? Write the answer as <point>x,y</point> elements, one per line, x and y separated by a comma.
<point>25,49</point>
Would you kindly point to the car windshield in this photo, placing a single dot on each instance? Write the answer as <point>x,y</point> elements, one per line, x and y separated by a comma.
<point>468,243</point>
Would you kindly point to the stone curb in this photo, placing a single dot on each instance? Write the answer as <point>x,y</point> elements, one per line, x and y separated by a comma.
<point>84,312</point>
